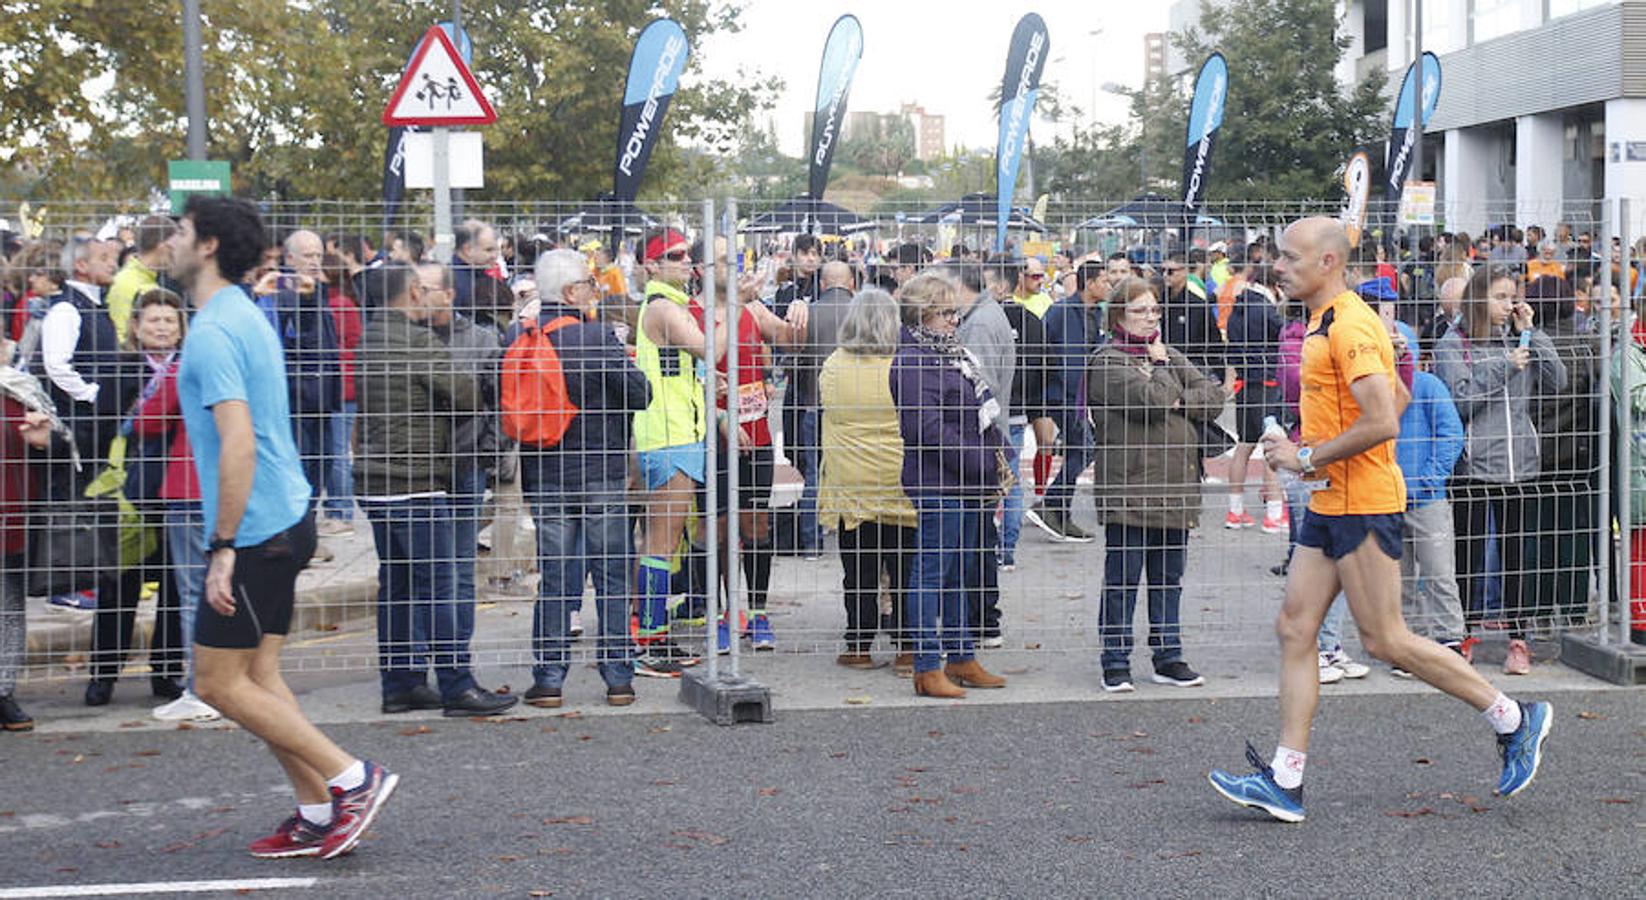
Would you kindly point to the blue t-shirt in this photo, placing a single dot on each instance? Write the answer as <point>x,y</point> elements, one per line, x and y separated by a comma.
<point>232,353</point>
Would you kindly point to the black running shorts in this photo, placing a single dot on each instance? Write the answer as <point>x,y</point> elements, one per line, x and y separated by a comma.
<point>265,584</point>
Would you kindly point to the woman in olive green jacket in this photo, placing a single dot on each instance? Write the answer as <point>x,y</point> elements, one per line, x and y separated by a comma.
<point>1147,403</point>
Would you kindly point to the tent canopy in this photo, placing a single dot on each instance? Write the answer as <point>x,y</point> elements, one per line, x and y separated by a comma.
<point>979,210</point>
<point>606,213</point>
<point>1150,212</point>
<point>804,214</point>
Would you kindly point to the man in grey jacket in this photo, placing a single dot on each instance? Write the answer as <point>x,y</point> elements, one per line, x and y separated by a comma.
<point>988,334</point>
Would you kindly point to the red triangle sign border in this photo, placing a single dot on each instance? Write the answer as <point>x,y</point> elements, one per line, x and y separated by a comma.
<point>436,33</point>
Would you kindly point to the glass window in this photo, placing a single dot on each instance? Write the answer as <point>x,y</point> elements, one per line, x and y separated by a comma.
<point>1496,18</point>
<point>1443,31</point>
<point>1558,8</point>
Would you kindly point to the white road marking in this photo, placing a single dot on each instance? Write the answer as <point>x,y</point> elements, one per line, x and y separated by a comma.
<point>156,887</point>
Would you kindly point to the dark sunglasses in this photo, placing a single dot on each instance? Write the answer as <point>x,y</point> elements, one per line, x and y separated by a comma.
<point>677,255</point>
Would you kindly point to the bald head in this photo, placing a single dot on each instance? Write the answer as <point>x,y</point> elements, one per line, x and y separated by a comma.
<point>835,274</point>
<point>305,252</point>
<point>1451,293</point>
<point>1310,265</point>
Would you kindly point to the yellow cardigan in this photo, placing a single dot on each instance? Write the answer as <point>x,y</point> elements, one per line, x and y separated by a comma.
<point>861,479</point>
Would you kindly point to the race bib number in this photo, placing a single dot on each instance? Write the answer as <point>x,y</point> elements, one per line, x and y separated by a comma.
<point>751,402</point>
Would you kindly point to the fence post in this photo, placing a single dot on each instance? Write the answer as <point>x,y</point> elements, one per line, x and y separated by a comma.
<point>734,429</point>
<point>1604,547</point>
<point>711,474</point>
<point>1625,435</point>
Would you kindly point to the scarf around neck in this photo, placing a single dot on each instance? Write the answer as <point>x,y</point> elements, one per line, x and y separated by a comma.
<point>950,350</point>
<point>1126,342</point>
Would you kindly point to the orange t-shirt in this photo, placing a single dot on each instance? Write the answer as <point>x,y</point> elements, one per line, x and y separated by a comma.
<point>1347,341</point>
<point>611,282</point>
<point>1537,268</point>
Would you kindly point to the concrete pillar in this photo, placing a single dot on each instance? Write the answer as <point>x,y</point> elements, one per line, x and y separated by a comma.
<point>1626,177</point>
<point>1467,150</point>
<point>1540,170</point>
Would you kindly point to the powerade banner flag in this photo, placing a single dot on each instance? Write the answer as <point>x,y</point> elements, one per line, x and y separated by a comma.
<point>1018,91</point>
<point>1403,138</point>
<point>1357,184</point>
<point>834,82</point>
<point>1211,90</point>
<point>654,73</point>
<point>394,155</point>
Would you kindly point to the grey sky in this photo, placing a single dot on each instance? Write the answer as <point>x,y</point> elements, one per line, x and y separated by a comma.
<point>947,56</point>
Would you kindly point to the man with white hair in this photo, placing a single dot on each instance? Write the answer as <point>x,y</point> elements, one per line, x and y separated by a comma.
<point>80,349</point>
<point>577,486</point>
<point>314,363</point>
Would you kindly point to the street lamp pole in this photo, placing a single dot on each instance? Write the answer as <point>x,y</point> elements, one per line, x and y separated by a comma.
<point>194,82</point>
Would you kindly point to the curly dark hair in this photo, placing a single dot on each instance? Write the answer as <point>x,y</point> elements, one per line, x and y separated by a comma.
<point>237,227</point>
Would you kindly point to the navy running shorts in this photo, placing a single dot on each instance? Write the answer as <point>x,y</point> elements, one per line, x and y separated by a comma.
<point>1338,536</point>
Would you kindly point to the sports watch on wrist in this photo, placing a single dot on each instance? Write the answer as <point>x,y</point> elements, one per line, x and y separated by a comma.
<point>219,543</point>
<point>1306,460</point>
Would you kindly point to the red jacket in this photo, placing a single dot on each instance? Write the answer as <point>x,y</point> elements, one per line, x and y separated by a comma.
<point>161,415</point>
<point>346,313</point>
<point>16,481</point>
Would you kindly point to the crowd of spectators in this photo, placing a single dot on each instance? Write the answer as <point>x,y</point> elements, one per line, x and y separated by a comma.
<point>930,404</point>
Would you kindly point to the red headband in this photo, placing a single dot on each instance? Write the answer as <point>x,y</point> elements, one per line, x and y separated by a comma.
<point>658,245</point>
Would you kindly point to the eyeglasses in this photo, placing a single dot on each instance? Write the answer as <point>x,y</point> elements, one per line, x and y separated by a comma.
<point>1143,311</point>
<point>1170,270</point>
<point>951,313</point>
<point>677,255</point>
<point>590,281</point>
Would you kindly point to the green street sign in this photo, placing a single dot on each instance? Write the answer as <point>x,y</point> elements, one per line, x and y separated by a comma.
<point>191,176</point>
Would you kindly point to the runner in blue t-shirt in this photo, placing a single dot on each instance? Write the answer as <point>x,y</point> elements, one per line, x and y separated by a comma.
<point>260,533</point>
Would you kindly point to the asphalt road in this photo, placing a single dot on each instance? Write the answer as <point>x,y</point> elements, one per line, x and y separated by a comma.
<point>1004,800</point>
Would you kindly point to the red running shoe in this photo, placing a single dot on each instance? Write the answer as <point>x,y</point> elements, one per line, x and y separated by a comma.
<point>295,837</point>
<point>353,811</point>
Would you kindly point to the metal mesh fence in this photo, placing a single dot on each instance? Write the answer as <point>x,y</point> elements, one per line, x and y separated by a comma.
<point>533,459</point>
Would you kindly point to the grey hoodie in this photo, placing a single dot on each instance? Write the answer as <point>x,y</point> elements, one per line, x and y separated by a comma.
<point>1494,399</point>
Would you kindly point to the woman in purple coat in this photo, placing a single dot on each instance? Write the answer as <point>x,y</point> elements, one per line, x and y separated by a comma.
<point>953,464</point>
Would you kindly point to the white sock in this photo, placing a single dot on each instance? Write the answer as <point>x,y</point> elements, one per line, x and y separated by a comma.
<point>350,778</point>
<point>1237,503</point>
<point>1288,767</point>
<point>1504,714</point>
<point>315,813</point>
<point>1273,509</point>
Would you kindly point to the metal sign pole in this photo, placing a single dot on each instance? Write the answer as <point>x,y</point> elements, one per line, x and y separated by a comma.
<point>441,158</point>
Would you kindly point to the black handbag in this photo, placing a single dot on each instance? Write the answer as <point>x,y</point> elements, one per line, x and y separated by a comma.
<point>73,544</point>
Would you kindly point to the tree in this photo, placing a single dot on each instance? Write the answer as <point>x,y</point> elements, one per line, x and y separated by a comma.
<point>885,150</point>
<point>295,92</point>
<point>1094,165</point>
<point>1288,125</point>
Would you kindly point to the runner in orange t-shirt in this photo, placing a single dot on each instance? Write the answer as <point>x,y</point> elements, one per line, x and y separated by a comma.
<point>1350,538</point>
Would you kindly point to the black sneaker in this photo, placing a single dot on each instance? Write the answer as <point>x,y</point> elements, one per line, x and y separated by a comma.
<point>1036,515</point>
<point>421,697</point>
<point>165,687</point>
<point>663,659</point>
<point>477,701</point>
<point>1074,534</point>
<point>1177,672</point>
<point>543,697</point>
<point>1117,681</point>
<point>619,694</point>
<point>12,717</point>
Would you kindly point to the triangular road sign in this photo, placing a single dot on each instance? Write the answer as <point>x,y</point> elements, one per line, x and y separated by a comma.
<point>438,89</point>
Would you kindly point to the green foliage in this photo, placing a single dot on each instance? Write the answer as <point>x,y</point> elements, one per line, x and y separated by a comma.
<point>1288,126</point>
<point>885,151</point>
<point>295,92</point>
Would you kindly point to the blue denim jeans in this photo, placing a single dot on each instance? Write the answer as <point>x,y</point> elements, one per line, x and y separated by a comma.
<point>1130,553</point>
<point>466,497</point>
<point>309,432</point>
<point>418,625</point>
<point>186,538</point>
<point>1011,512</point>
<point>804,456</point>
<point>339,502</point>
<point>946,553</point>
<point>581,530</point>
<point>1077,454</point>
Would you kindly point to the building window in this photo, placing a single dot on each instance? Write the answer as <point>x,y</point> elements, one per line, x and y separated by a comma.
<point>1495,18</point>
<point>1558,8</point>
<point>1375,25</point>
<point>1443,31</point>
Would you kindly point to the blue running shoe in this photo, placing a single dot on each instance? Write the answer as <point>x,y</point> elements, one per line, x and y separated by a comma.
<point>1258,790</point>
<point>722,636</point>
<point>760,633</point>
<point>1522,749</point>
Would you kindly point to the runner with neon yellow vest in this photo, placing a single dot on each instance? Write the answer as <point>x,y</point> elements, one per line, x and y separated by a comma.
<point>668,436</point>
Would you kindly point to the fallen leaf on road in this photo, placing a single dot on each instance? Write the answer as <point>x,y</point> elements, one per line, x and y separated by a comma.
<point>968,789</point>
<point>859,700</point>
<point>1410,813</point>
<point>147,753</point>
<point>411,730</point>
<point>1031,646</point>
<point>1590,715</point>
<point>1616,800</point>
<point>569,820</point>
<point>572,714</point>
<point>107,845</point>
<point>78,758</point>
<point>326,626</point>
<point>540,894</point>
<point>705,837</point>
<point>133,724</point>
<point>837,756</point>
<point>184,726</point>
<point>508,859</point>
<point>658,729</point>
<point>1142,785</point>
<point>1184,855</point>
<point>768,792</point>
<point>1424,761</point>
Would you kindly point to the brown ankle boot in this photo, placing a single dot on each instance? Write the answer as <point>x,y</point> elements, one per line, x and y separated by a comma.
<point>936,684</point>
<point>972,674</point>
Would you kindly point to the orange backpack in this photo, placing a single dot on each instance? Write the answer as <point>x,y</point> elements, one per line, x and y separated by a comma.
<point>536,408</point>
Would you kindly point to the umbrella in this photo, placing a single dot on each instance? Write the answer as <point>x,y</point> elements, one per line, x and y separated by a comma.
<point>979,210</point>
<point>803,214</point>
<point>606,213</point>
<point>1150,212</point>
